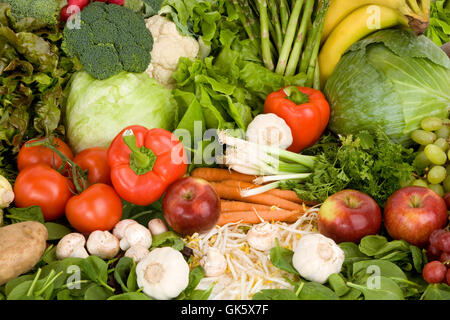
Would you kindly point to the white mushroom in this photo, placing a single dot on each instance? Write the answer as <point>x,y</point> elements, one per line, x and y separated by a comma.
<point>71,246</point>
<point>6,193</point>
<point>163,274</point>
<point>157,226</point>
<point>316,257</point>
<point>135,234</point>
<point>214,262</point>
<point>103,244</point>
<point>269,129</point>
<point>262,236</point>
<point>137,252</point>
<point>119,229</point>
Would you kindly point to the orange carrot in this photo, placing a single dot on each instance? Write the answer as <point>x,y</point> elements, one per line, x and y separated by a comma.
<point>284,194</point>
<point>215,175</point>
<point>227,206</point>
<point>233,193</point>
<point>252,217</point>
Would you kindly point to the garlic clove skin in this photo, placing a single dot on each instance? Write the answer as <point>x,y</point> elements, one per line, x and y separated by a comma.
<point>119,229</point>
<point>103,244</point>
<point>269,129</point>
<point>163,274</point>
<point>137,253</point>
<point>214,263</point>
<point>262,236</point>
<point>316,257</point>
<point>71,246</point>
<point>157,226</point>
<point>135,234</point>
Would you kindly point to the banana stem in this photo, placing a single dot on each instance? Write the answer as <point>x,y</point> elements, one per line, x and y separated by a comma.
<point>414,6</point>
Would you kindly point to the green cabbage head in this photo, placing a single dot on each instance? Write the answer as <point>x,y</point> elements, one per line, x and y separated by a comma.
<point>97,110</point>
<point>390,80</point>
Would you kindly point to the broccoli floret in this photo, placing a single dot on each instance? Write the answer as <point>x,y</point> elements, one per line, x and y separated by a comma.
<point>46,11</point>
<point>110,39</point>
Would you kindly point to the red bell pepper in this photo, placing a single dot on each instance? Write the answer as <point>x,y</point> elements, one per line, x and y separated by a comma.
<point>305,110</point>
<point>144,162</point>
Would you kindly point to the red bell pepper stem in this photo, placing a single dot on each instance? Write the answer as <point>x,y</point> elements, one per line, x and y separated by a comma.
<point>295,95</point>
<point>142,159</point>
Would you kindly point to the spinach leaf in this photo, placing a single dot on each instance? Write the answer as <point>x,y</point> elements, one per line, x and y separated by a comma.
<point>371,244</point>
<point>201,294</point>
<point>168,239</point>
<point>125,274</point>
<point>417,257</point>
<point>275,294</point>
<point>56,231</point>
<point>315,291</point>
<point>195,276</point>
<point>97,292</point>
<point>130,296</point>
<point>387,290</point>
<point>97,270</point>
<point>33,213</point>
<point>337,283</point>
<point>282,258</point>
<point>384,267</point>
<point>353,294</point>
<point>437,291</point>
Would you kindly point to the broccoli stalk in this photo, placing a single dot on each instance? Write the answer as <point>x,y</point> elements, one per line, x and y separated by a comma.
<point>110,39</point>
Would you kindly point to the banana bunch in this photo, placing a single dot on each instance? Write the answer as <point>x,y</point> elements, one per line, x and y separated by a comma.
<point>348,21</point>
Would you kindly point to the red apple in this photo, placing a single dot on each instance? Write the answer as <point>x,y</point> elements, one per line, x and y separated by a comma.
<point>349,215</point>
<point>191,205</point>
<point>447,200</point>
<point>413,213</point>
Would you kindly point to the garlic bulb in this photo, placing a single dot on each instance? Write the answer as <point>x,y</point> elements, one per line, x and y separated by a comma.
<point>316,257</point>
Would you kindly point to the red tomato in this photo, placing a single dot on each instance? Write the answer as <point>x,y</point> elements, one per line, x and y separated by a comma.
<point>95,161</point>
<point>80,3</point>
<point>40,185</point>
<point>96,208</point>
<point>40,154</point>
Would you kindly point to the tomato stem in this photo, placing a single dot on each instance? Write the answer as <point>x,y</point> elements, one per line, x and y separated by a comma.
<point>78,174</point>
<point>142,159</point>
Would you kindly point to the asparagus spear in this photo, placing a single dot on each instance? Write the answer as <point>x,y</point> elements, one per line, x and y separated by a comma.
<point>252,18</point>
<point>316,82</point>
<point>289,38</point>
<point>311,50</point>
<point>300,39</point>
<point>284,15</point>
<point>244,20</point>
<point>265,40</point>
<point>276,24</point>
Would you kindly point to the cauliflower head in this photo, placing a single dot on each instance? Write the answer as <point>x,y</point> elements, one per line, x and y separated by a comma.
<point>168,47</point>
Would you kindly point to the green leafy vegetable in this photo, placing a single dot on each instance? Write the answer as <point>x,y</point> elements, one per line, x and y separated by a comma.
<point>439,28</point>
<point>97,110</point>
<point>110,39</point>
<point>282,258</point>
<point>56,231</point>
<point>389,80</point>
<point>33,213</point>
<point>275,294</point>
<point>366,161</point>
<point>125,274</point>
<point>388,290</point>
<point>168,239</point>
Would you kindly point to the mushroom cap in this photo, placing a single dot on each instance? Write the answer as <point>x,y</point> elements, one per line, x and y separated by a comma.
<point>120,227</point>
<point>163,273</point>
<point>157,226</point>
<point>134,234</point>
<point>71,246</point>
<point>214,262</point>
<point>137,252</point>
<point>103,244</point>
<point>262,236</point>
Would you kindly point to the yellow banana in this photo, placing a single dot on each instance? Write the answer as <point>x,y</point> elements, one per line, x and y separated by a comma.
<point>417,10</point>
<point>354,27</point>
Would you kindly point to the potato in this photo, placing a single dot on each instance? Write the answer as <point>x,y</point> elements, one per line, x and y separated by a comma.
<point>21,246</point>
